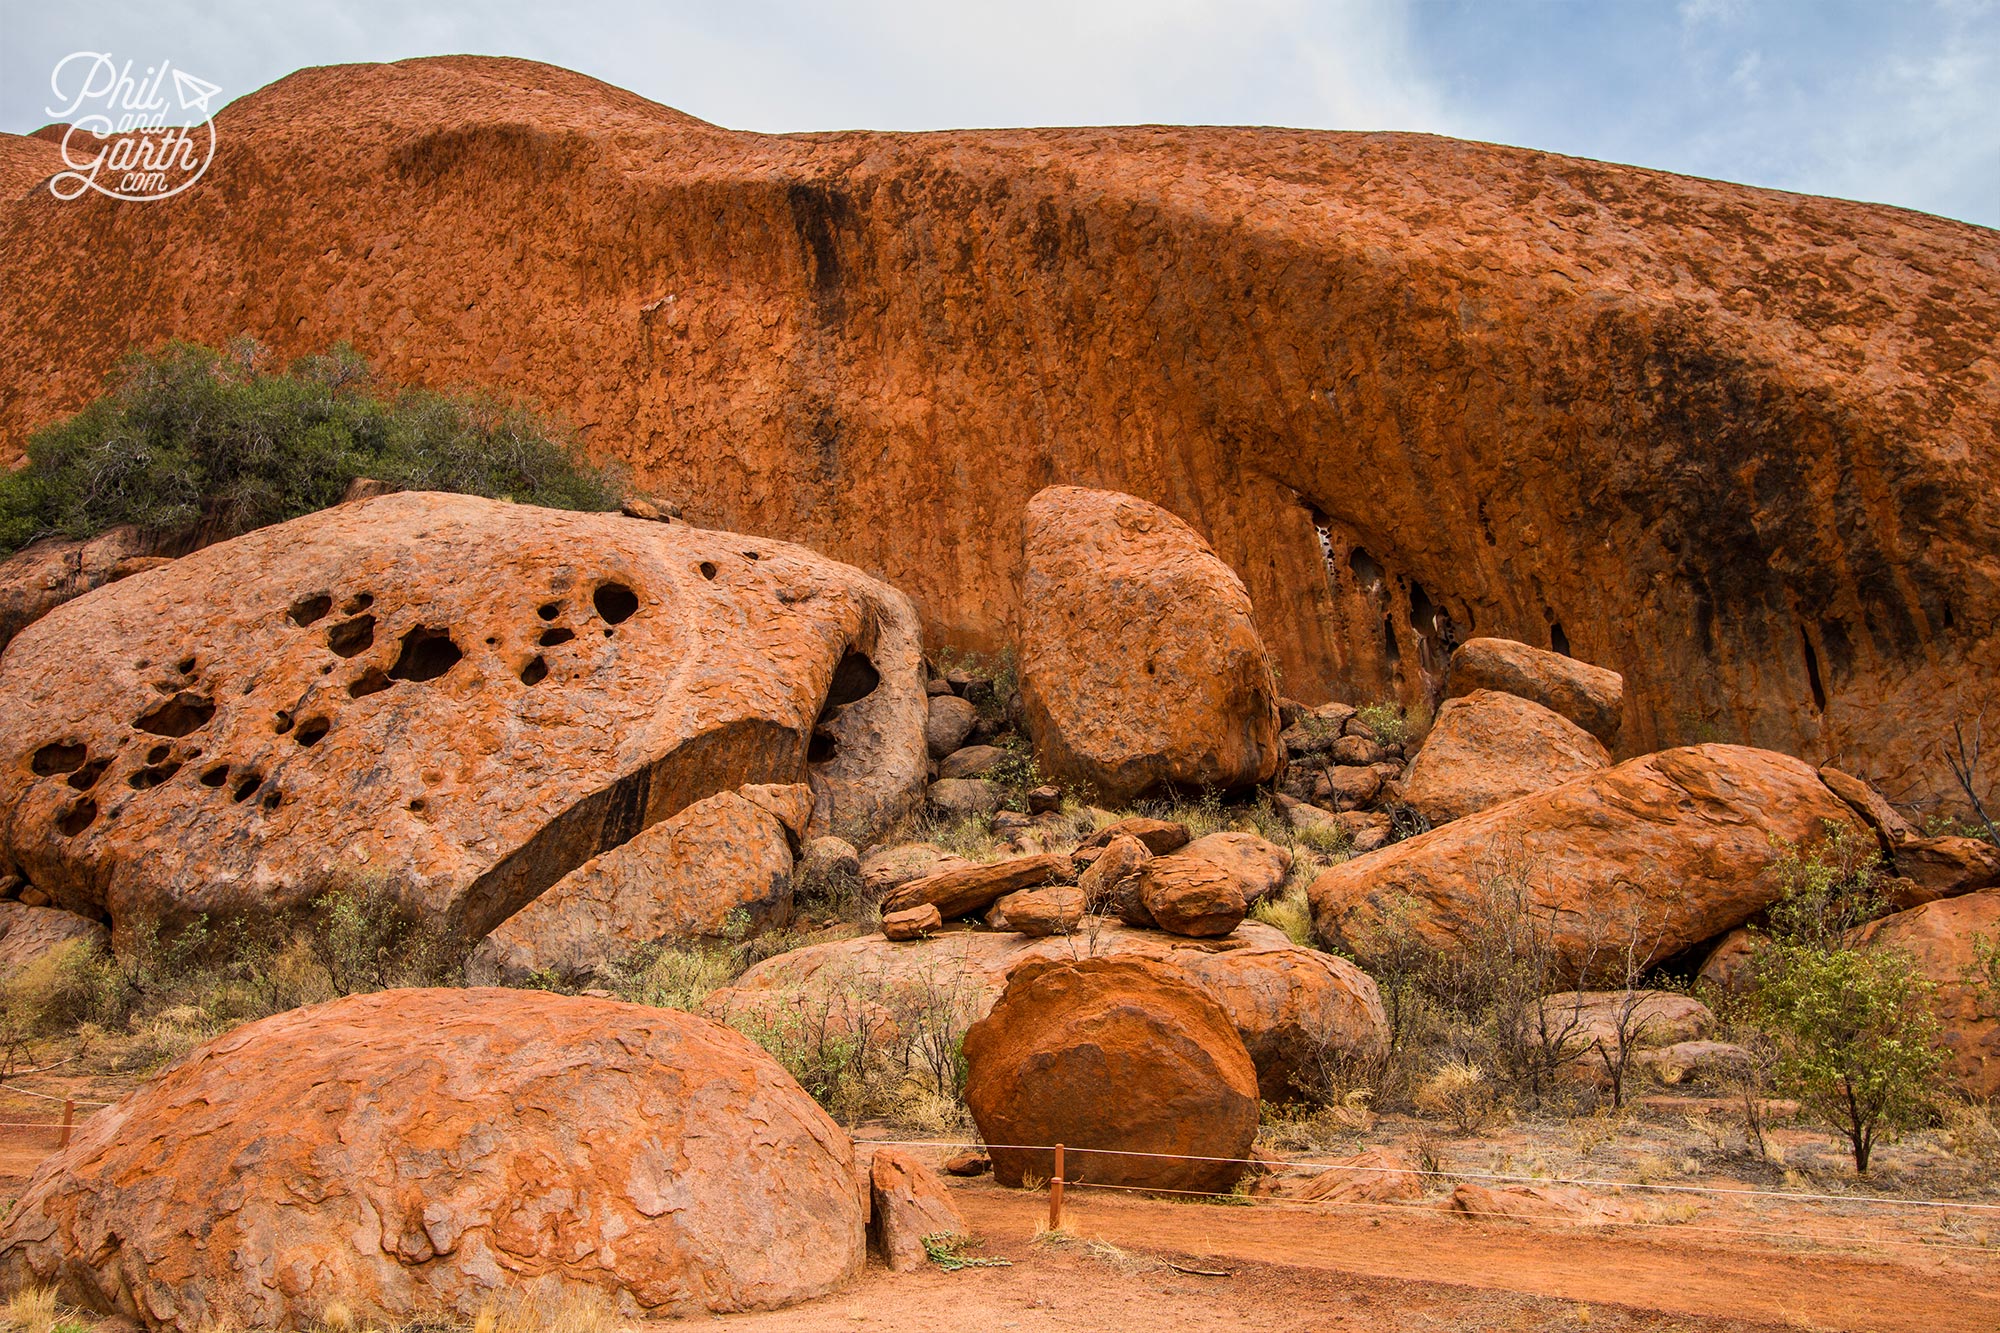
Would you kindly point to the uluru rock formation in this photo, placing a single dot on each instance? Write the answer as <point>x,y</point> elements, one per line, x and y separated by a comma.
<point>1732,443</point>
<point>462,698</point>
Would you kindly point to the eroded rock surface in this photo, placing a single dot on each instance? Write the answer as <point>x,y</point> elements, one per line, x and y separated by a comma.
<point>462,698</point>
<point>418,1151</point>
<point>1140,660</point>
<point>1580,357</point>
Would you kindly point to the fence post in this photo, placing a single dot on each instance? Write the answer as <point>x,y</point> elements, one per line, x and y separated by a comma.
<point>1055,1192</point>
<point>69,1116</point>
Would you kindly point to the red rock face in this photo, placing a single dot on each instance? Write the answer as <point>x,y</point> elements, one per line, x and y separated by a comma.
<point>419,1151</point>
<point>1735,444</point>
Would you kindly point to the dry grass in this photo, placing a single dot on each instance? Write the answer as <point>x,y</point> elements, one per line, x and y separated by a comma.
<point>35,1310</point>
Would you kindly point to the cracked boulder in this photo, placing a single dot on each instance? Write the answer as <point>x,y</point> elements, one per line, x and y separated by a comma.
<point>413,1153</point>
<point>1658,853</point>
<point>720,869</point>
<point>461,699</point>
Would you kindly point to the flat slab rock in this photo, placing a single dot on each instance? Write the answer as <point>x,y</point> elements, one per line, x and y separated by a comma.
<point>461,697</point>
<point>418,1151</point>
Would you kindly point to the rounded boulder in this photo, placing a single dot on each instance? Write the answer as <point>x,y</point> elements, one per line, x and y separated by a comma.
<point>418,1152</point>
<point>1137,1071</point>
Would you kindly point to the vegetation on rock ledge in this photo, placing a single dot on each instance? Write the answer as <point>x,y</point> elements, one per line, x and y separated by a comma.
<point>189,437</point>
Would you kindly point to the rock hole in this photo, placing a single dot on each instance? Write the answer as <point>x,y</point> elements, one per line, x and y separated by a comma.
<point>350,637</point>
<point>57,757</point>
<point>86,777</point>
<point>615,602</point>
<point>427,654</point>
<point>358,603</point>
<point>180,715</point>
<point>158,754</point>
<point>1392,650</point>
<point>247,787</point>
<point>535,672</point>
<point>312,730</point>
<point>147,778</point>
<point>372,681</point>
<point>1813,680</point>
<point>282,723</point>
<point>271,799</point>
<point>216,776</point>
<point>752,555</point>
<point>1367,571</point>
<point>550,638</point>
<point>78,817</point>
<point>707,568</point>
<point>185,666</point>
<point>822,747</point>
<point>1558,641</point>
<point>855,678</point>
<point>549,610</point>
<point>417,806</point>
<point>309,609</point>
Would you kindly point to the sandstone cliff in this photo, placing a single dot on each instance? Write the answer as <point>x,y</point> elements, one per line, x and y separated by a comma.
<point>1735,444</point>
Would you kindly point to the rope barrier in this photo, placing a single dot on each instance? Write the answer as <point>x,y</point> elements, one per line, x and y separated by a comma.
<point>1499,1177</point>
<point>29,1092</point>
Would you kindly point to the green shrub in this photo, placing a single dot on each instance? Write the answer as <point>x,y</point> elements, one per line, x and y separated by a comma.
<point>186,436</point>
<point>1857,1040</point>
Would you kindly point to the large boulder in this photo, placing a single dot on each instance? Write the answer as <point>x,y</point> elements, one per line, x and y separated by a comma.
<point>1591,697</point>
<point>411,1153</point>
<point>1487,748</point>
<point>1942,937</point>
<point>1140,661</point>
<point>29,934</point>
<point>974,888</point>
<point>1190,895</point>
<point>462,698</point>
<point>720,869</point>
<point>1661,852</point>
<point>1295,1009</point>
<point>1116,1055</point>
<point>1258,864</point>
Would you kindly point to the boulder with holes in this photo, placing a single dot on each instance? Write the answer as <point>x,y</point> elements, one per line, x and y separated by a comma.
<point>463,698</point>
<point>528,1143</point>
<point>1140,659</point>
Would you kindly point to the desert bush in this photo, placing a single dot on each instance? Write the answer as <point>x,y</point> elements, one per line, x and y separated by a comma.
<point>1857,1041</point>
<point>1391,723</point>
<point>186,437</point>
<point>1460,1092</point>
<point>1827,888</point>
<point>668,977</point>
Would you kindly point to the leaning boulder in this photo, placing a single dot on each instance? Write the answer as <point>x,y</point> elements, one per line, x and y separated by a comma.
<point>1140,659</point>
<point>30,934</point>
<point>1943,939</point>
<point>1296,1010</point>
<point>1109,1057</point>
<point>1488,748</point>
<point>422,1152</point>
<point>1661,852</point>
<point>463,698</point>
<point>1587,695</point>
<point>720,869</point>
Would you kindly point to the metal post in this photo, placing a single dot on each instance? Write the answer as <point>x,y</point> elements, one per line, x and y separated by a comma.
<point>1055,1192</point>
<point>69,1117</point>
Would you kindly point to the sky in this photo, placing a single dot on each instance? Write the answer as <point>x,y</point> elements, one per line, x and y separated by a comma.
<point>1891,102</point>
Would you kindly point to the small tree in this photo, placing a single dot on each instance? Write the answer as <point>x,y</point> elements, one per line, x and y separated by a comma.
<point>1856,1037</point>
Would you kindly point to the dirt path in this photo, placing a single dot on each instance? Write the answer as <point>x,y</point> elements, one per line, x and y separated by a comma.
<point>1657,1271</point>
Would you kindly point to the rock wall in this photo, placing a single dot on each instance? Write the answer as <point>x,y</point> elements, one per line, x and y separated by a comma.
<point>1733,443</point>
